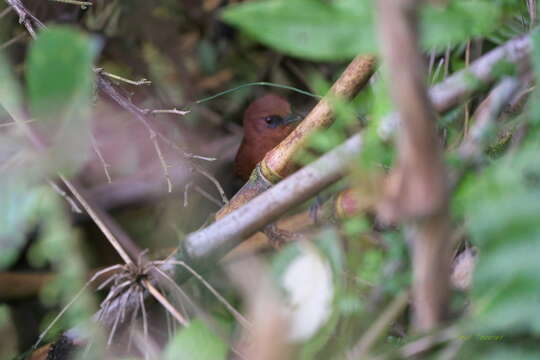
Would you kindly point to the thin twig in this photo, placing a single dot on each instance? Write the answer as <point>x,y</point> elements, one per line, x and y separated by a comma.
<point>13,40</point>
<point>82,4</point>
<point>91,211</point>
<point>5,11</point>
<point>68,305</point>
<point>380,326</point>
<point>104,164</point>
<point>166,304</point>
<point>215,182</point>
<point>208,196</point>
<point>485,117</point>
<point>140,82</point>
<point>174,111</point>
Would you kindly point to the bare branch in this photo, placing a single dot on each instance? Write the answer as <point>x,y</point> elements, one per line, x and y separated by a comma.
<point>223,235</point>
<point>140,82</point>
<point>485,117</point>
<point>417,188</point>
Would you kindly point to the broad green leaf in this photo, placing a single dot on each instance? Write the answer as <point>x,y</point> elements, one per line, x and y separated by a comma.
<point>457,22</point>
<point>501,210</point>
<point>196,342</point>
<point>60,84</point>
<point>307,28</point>
<point>338,30</point>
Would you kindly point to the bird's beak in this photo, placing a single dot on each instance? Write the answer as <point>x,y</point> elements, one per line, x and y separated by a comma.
<point>292,118</point>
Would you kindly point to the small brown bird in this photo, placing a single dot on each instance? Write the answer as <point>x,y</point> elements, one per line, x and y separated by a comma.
<point>267,121</point>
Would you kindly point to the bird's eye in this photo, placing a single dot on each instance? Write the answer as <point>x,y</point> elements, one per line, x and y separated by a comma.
<point>273,120</point>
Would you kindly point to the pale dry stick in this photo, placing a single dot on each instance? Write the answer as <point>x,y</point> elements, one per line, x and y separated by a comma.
<point>380,326</point>
<point>25,17</point>
<point>531,5</point>
<point>208,196</point>
<point>162,160</point>
<point>104,163</point>
<point>467,103</point>
<point>452,350</point>
<point>140,82</point>
<point>11,123</point>
<point>485,117</point>
<point>82,4</point>
<point>166,304</point>
<point>180,149</point>
<point>437,69</point>
<point>421,345</point>
<point>91,211</point>
<point>6,11</point>
<point>186,189</point>
<point>73,205</point>
<point>447,61</point>
<point>196,167</point>
<point>216,183</point>
<point>416,191</point>
<point>12,41</point>
<point>174,111</point>
<point>72,301</point>
<point>143,310</point>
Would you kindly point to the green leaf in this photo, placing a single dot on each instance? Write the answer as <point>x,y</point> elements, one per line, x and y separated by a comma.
<point>18,200</point>
<point>196,342</point>
<point>307,28</point>
<point>60,84</point>
<point>339,30</point>
<point>459,21</point>
<point>10,92</point>
<point>18,210</point>
<point>501,210</point>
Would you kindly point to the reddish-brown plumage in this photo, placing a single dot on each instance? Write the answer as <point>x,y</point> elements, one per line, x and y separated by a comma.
<point>264,128</point>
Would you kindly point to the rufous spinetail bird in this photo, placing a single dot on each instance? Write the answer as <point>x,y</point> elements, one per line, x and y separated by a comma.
<point>267,121</point>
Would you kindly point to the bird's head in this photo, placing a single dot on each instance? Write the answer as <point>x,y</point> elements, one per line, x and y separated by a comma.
<point>269,119</point>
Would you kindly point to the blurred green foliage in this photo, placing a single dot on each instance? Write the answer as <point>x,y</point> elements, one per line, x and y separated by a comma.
<point>60,89</point>
<point>196,342</point>
<point>338,30</point>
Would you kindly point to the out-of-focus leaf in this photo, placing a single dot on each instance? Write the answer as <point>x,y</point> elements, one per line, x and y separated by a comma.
<point>338,30</point>
<point>60,84</point>
<point>460,20</point>
<point>18,201</point>
<point>18,210</point>
<point>196,342</point>
<point>501,209</point>
<point>10,92</point>
<point>306,28</point>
